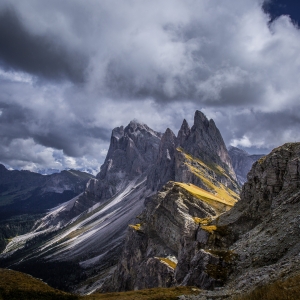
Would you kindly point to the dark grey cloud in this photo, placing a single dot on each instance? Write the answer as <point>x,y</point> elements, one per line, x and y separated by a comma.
<point>72,136</point>
<point>41,55</point>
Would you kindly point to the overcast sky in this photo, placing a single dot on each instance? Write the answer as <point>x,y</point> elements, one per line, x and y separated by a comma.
<point>72,70</point>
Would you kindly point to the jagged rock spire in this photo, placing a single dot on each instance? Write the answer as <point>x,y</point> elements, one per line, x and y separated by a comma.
<point>205,142</point>
<point>183,133</point>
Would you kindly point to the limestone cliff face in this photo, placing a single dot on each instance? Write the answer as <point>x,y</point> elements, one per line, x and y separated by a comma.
<point>205,142</point>
<point>155,245</point>
<point>133,150</point>
<point>88,231</point>
<point>164,169</point>
<point>201,185</point>
<point>242,162</point>
<point>132,153</point>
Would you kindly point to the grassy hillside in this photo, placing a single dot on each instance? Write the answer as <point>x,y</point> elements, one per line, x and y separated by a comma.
<point>15,286</point>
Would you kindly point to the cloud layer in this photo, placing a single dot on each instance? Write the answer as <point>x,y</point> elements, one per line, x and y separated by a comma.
<point>70,71</point>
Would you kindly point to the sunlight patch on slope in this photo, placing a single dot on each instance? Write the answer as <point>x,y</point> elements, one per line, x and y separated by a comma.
<point>214,201</point>
<point>207,173</point>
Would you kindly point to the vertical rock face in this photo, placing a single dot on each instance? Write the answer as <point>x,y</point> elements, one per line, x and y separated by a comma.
<point>204,141</point>
<point>132,151</point>
<point>159,243</point>
<point>242,162</point>
<point>164,169</point>
<point>272,179</point>
<point>259,237</point>
<point>183,133</point>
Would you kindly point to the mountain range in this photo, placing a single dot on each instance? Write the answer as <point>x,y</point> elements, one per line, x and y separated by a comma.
<point>168,210</point>
<point>25,196</point>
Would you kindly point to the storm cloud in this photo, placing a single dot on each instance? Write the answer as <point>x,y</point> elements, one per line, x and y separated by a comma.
<point>70,71</point>
<point>40,55</point>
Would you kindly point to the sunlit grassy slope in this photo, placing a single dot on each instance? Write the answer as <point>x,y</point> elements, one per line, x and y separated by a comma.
<point>217,194</point>
<point>219,204</point>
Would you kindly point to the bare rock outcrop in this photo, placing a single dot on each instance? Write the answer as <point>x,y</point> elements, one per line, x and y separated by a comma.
<point>132,151</point>
<point>165,239</point>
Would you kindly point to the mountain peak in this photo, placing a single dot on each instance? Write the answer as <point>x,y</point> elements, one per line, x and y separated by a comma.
<point>200,119</point>
<point>183,133</point>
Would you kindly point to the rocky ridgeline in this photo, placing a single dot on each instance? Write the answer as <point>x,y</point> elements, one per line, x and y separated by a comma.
<point>132,152</point>
<point>263,228</point>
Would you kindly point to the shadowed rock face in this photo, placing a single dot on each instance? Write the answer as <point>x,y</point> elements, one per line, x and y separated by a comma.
<point>262,231</point>
<point>164,169</point>
<point>162,240</point>
<point>242,162</point>
<point>132,151</point>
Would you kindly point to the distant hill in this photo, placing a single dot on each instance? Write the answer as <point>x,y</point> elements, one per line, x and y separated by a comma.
<point>16,285</point>
<point>25,195</point>
<point>242,162</point>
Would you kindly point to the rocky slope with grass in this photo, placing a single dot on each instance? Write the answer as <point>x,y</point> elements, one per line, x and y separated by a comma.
<point>161,248</point>
<point>192,242</point>
<point>82,239</point>
<point>262,231</point>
